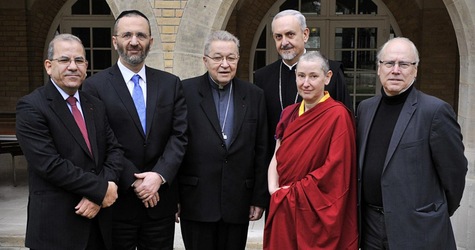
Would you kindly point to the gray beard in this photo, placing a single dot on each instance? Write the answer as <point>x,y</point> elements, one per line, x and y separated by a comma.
<point>288,56</point>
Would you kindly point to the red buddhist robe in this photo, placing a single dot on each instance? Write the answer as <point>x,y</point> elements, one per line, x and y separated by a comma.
<point>317,160</point>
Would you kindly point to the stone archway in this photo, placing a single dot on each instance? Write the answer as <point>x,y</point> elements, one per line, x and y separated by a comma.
<point>463,16</point>
<point>192,33</point>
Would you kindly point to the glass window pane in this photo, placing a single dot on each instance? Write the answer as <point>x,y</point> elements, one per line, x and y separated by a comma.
<point>102,59</point>
<point>261,44</point>
<point>366,60</point>
<point>345,7</point>
<point>367,38</point>
<point>313,39</point>
<point>345,38</point>
<point>100,7</point>
<point>347,58</point>
<point>349,81</point>
<point>311,6</point>
<point>293,5</point>
<point>365,83</point>
<point>367,7</point>
<point>88,58</point>
<point>259,59</point>
<point>101,37</point>
<point>83,34</point>
<point>81,7</point>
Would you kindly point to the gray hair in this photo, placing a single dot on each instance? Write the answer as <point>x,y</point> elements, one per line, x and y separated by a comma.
<point>411,44</point>
<point>61,37</point>
<point>220,35</point>
<point>317,57</point>
<point>296,14</point>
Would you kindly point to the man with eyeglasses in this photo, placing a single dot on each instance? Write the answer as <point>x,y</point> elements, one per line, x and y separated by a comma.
<point>74,160</point>
<point>222,180</point>
<point>290,33</point>
<point>411,159</point>
<point>147,111</point>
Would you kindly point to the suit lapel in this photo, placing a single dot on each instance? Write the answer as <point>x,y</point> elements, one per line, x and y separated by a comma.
<point>407,112</point>
<point>117,82</point>
<point>88,113</point>
<point>208,106</point>
<point>365,124</point>
<point>152,97</point>
<point>240,107</point>
<point>60,108</point>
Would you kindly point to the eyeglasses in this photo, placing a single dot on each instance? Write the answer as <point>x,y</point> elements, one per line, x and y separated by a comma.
<point>79,61</point>
<point>402,65</point>
<point>128,36</point>
<point>219,59</point>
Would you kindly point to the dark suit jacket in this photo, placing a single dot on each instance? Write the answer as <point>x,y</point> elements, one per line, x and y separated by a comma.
<point>267,78</point>
<point>218,182</point>
<point>60,168</point>
<point>424,172</point>
<point>162,148</point>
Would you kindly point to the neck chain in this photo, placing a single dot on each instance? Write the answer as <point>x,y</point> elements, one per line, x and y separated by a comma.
<point>226,112</point>
<point>280,89</point>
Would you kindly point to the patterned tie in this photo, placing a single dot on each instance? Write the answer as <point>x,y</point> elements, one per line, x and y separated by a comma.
<point>137,95</point>
<point>79,120</point>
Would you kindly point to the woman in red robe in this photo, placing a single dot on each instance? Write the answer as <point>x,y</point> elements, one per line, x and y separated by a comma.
<point>312,176</point>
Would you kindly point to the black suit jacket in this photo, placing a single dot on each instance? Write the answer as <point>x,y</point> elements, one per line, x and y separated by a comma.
<point>423,174</point>
<point>267,78</point>
<point>160,150</point>
<point>217,182</point>
<point>60,168</point>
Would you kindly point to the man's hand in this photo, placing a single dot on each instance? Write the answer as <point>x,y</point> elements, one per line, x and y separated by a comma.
<point>146,186</point>
<point>255,213</point>
<point>111,194</point>
<point>87,208</point>
<point>152,202</point>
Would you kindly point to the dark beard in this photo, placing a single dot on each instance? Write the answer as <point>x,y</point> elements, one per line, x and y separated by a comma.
<point>133,60</point>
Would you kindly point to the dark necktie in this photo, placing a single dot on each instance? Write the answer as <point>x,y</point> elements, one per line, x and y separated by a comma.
<point>79,120</point>
<point>139,101</point>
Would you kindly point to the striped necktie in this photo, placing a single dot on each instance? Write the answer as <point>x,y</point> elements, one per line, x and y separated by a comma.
<point>79,120</point>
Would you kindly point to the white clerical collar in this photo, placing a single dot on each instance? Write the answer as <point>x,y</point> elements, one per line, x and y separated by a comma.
<point>291,66</point>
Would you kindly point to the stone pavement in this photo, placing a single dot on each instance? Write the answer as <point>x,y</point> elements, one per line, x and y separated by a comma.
<point>13,205</point>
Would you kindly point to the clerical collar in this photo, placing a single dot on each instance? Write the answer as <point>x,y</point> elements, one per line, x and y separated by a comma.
<point>217,85</point>
<point>290,67</point>
<point>397,99</point>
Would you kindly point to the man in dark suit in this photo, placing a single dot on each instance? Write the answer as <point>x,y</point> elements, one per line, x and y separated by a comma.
<point>147,111</point>
<point>411,159</point>
<point>290,33</point>
<point>223,178</point>
<point>71,172</point>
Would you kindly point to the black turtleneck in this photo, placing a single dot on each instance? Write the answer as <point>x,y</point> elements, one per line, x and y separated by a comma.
<point>378,142</point>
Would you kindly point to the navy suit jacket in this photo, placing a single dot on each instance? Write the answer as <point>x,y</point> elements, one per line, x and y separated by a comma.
<point>424,172</point>
<point>160,149</point>
<point>216,181</point>
<point>61,171</point>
